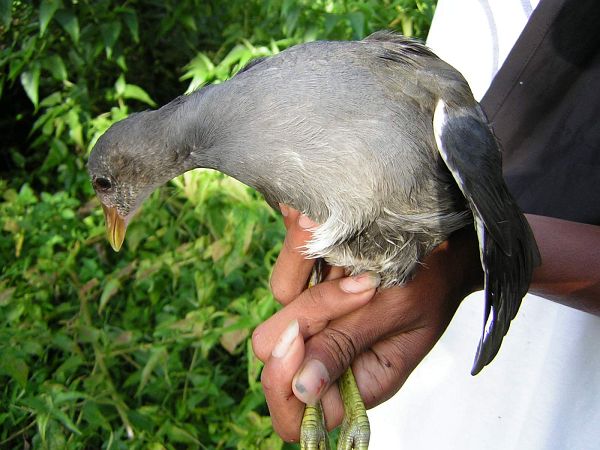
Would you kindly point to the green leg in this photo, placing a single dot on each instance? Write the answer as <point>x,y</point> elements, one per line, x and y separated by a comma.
<point>313,434</point>
<point>355,431</point>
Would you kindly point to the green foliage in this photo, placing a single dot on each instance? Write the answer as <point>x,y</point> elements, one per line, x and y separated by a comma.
<point>144,347</point>
<point>147,348</point>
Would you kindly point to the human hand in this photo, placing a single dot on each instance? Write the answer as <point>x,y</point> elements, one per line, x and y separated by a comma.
<point>320,331</point>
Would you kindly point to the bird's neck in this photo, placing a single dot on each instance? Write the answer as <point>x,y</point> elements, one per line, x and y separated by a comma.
<point>195,126</point>
<point>208,129</point>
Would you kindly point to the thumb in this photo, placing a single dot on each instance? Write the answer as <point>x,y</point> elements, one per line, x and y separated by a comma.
<point>328,354</point>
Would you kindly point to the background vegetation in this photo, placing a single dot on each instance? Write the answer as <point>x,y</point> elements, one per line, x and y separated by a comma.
<point>146,348</point>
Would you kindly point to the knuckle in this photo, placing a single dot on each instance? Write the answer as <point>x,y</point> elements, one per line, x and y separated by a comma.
<point>402,357</point>
<point>315,297</point>
<point>280,291</point>
<point>257,344</point>
<point>265,381</point>
<point>395,361</point>
<point>341,347</point>
<point>268,380</point>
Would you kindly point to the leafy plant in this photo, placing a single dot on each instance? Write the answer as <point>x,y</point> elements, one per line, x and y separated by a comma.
<point>147,348</point>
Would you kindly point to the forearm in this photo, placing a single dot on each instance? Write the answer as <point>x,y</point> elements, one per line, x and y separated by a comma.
<point>570,269</point>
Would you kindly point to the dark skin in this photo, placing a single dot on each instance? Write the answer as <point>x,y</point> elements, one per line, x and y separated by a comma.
<point>385,334</point>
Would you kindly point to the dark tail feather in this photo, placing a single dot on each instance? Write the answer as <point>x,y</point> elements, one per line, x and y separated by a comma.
<point>507,279</point>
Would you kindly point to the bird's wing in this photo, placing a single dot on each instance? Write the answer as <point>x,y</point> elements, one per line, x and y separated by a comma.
<point>507,247</point>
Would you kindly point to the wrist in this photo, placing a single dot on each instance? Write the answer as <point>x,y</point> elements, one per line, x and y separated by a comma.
<point>459,263</point>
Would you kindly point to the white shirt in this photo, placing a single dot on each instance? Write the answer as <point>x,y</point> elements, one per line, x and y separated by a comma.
<point>542,391</point>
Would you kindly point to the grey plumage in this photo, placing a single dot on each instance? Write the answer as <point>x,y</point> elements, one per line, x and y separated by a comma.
<point>343,131</point>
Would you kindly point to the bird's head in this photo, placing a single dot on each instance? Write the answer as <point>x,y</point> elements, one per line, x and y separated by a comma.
<point>127,163</point>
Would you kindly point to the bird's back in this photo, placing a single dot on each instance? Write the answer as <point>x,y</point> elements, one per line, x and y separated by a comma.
<point>343,132</point>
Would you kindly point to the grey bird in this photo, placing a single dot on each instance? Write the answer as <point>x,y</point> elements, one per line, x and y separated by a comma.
<point>378,140</point>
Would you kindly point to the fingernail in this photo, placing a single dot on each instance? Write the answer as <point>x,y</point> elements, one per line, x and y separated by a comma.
<point>306,223</point>
<point>285,209</point>
<point>360,283</point>
<point>310,382</point>
<point>286,339</point>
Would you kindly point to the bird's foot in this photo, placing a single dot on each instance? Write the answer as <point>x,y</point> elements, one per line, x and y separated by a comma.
<point>355,431</point>
<point>355,434</point>
<point>313,434</point>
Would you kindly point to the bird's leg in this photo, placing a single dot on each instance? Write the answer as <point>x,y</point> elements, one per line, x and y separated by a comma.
<point>313,434</point>
<point>355,431</point>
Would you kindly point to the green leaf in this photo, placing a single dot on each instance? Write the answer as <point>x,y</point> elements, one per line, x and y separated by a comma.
<point>54,437</point>
<point>357,22</point>
<point>120,85</point>
<point>55,65</point>
<point>331,20</point>
<point>89,334</point>
<point>75,127</point>
<point>93,415</point>
<point>53,99</point>
<point>64,419</point>
<point>180,435</point>
<point>110,289</point>
<point>69,366</point>
<point>142,422</point>
<point>137,93</point>
<point>15,367</point>
<point>37,404</point>
<point>6,13</point>
<point>157,355</point>
<point>236,54</point>
<point>30,80</point>
<point>57,154</point>
<point>47,10</point>
<point>110,33</point>
<point>291,20</point>
<point>68,397</point>
<point>27,196</point>
<point>131,21</point>
<point>70,24</point>
<point>200,70</point>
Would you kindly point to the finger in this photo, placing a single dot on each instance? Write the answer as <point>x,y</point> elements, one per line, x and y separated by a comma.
<point>285,409</point>
<point>381,371</point>
<point>330,351</point>
<point>314,308</point>
<point>334,273</point>
<point>292,269</point>
<point>289,214</point>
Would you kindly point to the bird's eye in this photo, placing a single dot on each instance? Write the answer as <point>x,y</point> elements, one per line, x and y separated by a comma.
<point>102,184</point>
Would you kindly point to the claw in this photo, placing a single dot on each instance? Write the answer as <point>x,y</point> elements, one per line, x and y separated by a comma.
<point>354,435</point>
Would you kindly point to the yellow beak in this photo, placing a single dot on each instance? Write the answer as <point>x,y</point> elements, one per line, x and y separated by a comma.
<point>115,227</point>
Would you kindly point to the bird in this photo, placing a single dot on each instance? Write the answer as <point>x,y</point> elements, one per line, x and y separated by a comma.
<point>378,140</point>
